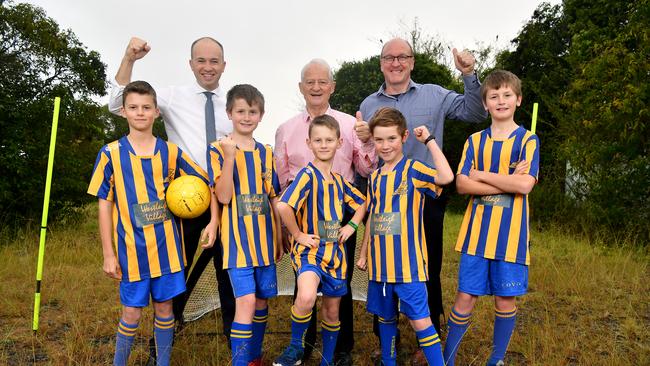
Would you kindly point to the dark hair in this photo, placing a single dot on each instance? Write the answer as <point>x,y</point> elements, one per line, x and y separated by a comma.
<point>387,117</point>
<point>139,87</point>
<point>208,38</point>
<point>325,120</point>
<point>498,78</point>
<point>247,92</point>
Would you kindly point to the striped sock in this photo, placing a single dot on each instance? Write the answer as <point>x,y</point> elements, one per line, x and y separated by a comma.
<point>504,324</point>
<point>329,332</point>
<point>457,325</point>
<point>299,325</point>
<point>240,339</point>
<point>123,342</point>
<point>259,327</point>
<point>430,343</point>
<point>163,332</point>
<point>387,334</point>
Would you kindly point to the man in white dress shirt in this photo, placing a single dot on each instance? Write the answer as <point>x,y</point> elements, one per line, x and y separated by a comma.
<point>190,117</point>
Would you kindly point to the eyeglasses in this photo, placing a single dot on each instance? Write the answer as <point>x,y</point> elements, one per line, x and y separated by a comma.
<point>401,58</point>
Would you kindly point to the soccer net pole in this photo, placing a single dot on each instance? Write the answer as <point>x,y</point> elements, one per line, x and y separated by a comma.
<point>46,204</point>
<point>534,122</point>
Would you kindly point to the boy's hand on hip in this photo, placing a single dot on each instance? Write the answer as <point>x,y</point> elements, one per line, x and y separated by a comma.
<point>308,240</point>
<point>345,233</point>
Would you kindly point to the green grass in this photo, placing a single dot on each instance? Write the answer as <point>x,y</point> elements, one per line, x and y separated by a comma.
<point>588,304</point>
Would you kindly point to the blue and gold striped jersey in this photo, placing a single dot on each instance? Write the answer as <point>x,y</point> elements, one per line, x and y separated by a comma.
<point>247,222</point>
<point>145,234</point>
<point>320,205</point>
<point>496,226</point>
<point>397,249</point>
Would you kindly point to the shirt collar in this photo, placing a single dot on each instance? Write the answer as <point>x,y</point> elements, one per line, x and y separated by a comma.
<point>198,89</point>
<point>382,88</point>
<point>305,117</point>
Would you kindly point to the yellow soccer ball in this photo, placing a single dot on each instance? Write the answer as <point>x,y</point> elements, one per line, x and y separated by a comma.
<point>188,197</point>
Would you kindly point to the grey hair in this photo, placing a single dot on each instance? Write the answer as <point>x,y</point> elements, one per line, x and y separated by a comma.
<point>317,61</point>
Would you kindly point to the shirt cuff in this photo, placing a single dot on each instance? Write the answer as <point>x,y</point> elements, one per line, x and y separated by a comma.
<point>471,80</point>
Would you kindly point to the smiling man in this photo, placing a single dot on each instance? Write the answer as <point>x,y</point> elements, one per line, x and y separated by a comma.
<point>429,105</point>
<point>357,154</point>
<point>194,116</point>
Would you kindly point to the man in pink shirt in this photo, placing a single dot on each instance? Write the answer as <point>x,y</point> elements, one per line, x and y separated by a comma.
<point>357,155</point>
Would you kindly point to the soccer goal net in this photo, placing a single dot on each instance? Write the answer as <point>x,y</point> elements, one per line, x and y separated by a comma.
<point>204,297</point>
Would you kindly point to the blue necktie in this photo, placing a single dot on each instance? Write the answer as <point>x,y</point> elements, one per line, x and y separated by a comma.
<point>210,129</point>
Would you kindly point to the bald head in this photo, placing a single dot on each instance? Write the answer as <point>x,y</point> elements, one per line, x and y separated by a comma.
<point>203,40</point>
<point>397,41</point>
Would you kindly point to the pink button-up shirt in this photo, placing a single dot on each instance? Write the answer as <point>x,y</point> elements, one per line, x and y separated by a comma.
<point>292,154</point>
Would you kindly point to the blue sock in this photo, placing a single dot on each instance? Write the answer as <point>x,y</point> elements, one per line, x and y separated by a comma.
<point>299,325</point>
<point>259,327</point>
<point>430,343</point>
<point>504,324</point>
<point>457,326</point>
<point>329,332</point>
<point>240,343</point>
<point>123,342</point>
<point>163,332</point>
<point>387,334</point>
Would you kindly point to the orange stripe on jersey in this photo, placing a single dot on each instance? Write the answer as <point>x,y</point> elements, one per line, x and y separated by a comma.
<point>171,245</point>
<point>149,233</point>
<point>123,206</point>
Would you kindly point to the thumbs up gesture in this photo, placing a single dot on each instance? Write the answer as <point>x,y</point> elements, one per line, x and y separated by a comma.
<point>464,61</point>
<point>361,128</point>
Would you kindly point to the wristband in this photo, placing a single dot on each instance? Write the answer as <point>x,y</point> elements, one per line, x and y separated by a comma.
<point>431,137</point>
<point>354,226</point>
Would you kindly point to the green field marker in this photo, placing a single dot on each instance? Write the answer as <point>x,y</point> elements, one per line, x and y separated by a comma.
<point>46,204</point>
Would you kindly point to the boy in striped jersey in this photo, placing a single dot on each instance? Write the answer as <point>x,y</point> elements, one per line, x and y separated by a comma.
<point>498,169</point>
<point>312,208</point>
<point>243,175</point>
<point>394,247</point>
<point>130,178</point>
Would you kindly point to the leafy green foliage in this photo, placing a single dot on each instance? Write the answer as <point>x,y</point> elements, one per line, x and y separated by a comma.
<point>587,65</point>
<point>605,133</point>
<point>39,61</point>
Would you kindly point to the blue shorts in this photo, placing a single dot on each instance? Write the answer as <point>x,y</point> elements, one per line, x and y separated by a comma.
<point>261,281</point>
<point>329,286</point>
<point>480,276</point>
<point>136,294</point>
<point>412,298</point>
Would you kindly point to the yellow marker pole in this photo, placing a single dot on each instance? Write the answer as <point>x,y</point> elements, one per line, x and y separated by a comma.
<point>534,123</point>
<point>46,204</point>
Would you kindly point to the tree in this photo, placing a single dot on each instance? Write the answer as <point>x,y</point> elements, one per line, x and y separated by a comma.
<point>604,134</point>
<point>39,61</point>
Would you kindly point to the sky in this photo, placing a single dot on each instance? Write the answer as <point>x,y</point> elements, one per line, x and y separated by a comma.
<point>266,43</point>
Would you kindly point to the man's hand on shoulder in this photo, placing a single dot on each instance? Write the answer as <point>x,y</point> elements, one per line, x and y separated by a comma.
<point>464,61</point>
<point>137,49</point>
